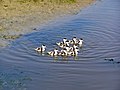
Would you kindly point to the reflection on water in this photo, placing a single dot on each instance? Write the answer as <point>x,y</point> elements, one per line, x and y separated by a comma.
<point>97,66</point>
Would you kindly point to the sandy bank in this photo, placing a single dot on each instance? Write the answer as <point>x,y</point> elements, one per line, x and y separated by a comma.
<point>19,18</point>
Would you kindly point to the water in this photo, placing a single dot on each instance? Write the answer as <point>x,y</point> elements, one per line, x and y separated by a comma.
<point>21,68</point>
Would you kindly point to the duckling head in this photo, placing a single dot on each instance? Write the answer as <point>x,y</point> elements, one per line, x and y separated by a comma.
<point>64,40</point>
<point>43,47</point>
<point>74,38</point>
<point>80,42</point>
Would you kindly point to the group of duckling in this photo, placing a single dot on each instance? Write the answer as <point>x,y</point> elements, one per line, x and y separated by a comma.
<point>66,47</point>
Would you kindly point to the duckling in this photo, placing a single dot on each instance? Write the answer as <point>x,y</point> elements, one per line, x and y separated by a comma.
<point>71,42</point>
<point>80,42</point>
<point>50,53</point>
<point>67,48</point>
<point>63,52</point>
<point>64,43</point>
<point>60,44</point>
<point>75,46</point>
<point>67,43</point>
<point>41,49</point>
<point>64,40</point>
<point>75,40</point>
<point>53,53</point>
<point>75,52</point>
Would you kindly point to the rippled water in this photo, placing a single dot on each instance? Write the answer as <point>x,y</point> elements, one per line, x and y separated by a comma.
<point>22,68</point>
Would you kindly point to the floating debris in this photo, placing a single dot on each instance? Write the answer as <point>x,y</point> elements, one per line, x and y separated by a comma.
<point>109,59</point>
<point>118,62</point>
<point>112,60</point>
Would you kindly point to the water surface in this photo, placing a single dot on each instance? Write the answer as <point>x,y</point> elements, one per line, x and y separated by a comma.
<point>22,68</point>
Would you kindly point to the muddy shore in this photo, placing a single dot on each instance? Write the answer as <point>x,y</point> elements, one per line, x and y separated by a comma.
<point>19,18</point>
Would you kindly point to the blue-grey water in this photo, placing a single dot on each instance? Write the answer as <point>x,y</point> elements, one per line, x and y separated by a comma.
<point>97,66</point>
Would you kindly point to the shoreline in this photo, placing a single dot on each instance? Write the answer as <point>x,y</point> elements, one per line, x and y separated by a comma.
<point>15,21</point>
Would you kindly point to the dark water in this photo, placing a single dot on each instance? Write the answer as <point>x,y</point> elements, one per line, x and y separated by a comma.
<point>21,68</point>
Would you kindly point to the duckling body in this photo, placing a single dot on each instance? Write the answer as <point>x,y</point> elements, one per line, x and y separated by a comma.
<point>64,40</point>
<point>75,40</point>
<point>60,44</point>
<point>63,44</point>
<point>80,42</point>
<point>75,52</point>
<point>75,46</point>
<point>53,53</point>
<point>41,49</point>
<point>67,43</point>
<point>63,52</point>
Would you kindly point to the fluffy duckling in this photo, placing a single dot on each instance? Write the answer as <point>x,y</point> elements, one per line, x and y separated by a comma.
<point>75,40</point>
<point>53,53</point>
<point>71,42</point>
<point>64,43</point>
<point>75,52</point>
<point>67,48</point>
<point>80,42</point>
<point>75,46</point>
<point>64,40</point>
<point>67,43</point>
<point>63,52</point>
<point>70,50</point>
<point>41,49</point>
<point>60,44</point>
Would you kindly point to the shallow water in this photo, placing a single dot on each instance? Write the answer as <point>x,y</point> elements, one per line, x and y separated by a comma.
<point>21,68</point>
